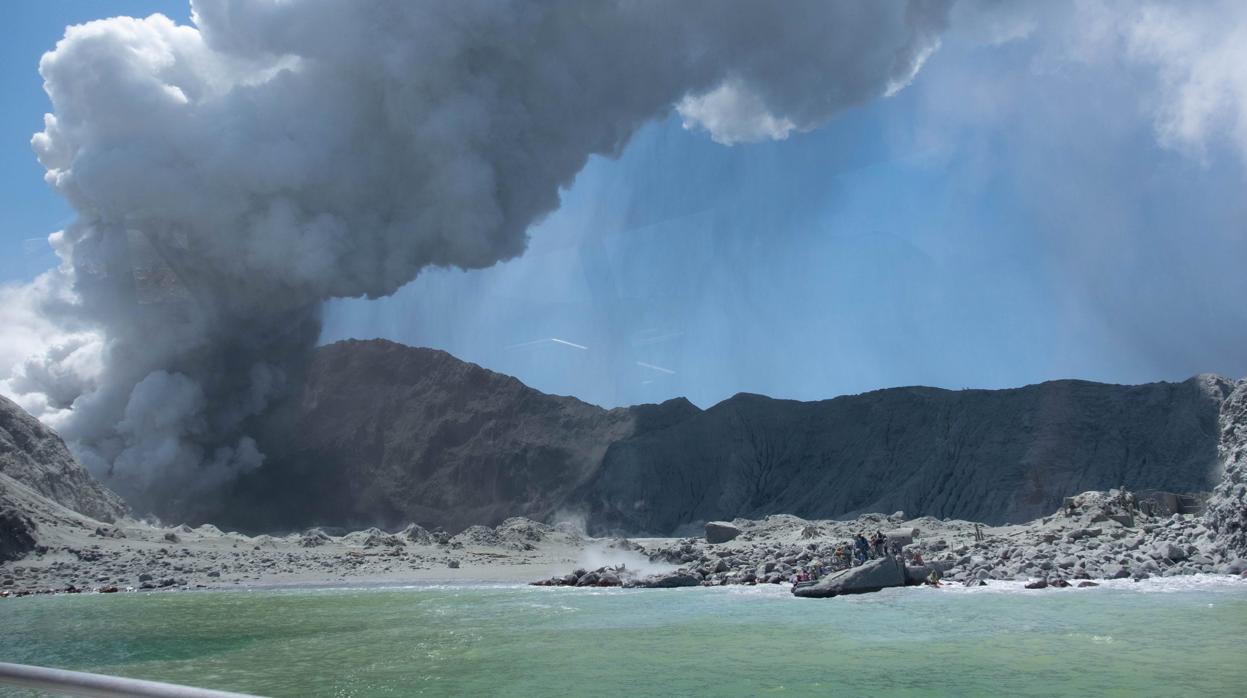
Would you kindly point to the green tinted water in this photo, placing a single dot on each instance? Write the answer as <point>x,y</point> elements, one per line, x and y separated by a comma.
<point>722,642</point>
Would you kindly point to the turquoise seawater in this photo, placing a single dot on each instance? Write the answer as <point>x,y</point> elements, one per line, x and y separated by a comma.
<point>1157,638</point>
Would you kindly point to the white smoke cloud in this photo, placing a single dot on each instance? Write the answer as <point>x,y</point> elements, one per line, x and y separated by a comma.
<point>232,175</point>
<point>732,114</point>
<point>1190,55</point>
<point>47,358</point>
<point>790,88</point>
<point>1198,52</point>
<point>611,554</point>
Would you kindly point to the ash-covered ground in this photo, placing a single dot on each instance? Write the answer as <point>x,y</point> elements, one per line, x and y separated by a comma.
<point>1101,536</point>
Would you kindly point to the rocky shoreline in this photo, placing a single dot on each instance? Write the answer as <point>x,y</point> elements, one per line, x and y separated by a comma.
<point>1097,536</point>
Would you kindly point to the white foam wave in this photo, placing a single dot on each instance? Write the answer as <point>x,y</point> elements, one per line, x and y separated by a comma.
<point>1185,583</point>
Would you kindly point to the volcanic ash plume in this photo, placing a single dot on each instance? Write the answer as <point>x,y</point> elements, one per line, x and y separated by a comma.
<point>230,176</point>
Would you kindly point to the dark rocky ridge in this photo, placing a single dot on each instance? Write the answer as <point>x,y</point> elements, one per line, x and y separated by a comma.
<point>982,455</point>
<point>35,456</point>
<point>388,434</point>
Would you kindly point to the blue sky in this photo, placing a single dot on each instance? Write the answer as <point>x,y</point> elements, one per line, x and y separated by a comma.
<point>1013,216</point>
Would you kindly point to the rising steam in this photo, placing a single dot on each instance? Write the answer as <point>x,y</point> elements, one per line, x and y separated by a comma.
<point>231,176</point>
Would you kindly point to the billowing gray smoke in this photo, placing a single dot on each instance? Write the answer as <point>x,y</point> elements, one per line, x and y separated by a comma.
<point>232,175</point>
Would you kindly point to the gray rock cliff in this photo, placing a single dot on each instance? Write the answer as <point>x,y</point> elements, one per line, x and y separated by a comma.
<point>34,455</point>
<point>982,455</point>
<point>1226,514</point>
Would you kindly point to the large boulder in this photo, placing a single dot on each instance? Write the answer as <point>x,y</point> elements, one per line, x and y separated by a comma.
<point>872,576</point>
<point>17,534</point>
<point>720,532</point>
<point>1114,571</point>
<point>669,581</point>
<point>917,574</point>
<point>1080,533</point>
<point>901,536</point>
<point>1167,550</point>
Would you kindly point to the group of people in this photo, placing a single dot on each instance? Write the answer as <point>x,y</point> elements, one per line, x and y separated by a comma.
<point>858,551</point>
<point>813,571</point>
<point>850,554</point>
<point>861,549</point>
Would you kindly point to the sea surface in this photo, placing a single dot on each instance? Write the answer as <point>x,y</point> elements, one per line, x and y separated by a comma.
<point>1166,637</point>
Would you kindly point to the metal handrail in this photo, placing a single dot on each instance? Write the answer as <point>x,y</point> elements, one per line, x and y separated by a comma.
<point>81,683</point>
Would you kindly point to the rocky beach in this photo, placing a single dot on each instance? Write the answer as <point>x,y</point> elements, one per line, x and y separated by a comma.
<point>1095,538</point>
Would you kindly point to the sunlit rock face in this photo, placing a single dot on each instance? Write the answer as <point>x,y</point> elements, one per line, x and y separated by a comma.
<point>34,456</point>
<point>1227,508</point>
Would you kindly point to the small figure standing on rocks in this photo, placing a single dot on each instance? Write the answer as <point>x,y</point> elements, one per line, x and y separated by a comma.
<point>878,543</point>
<point>863,548</point>
<point>1120,500</point>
